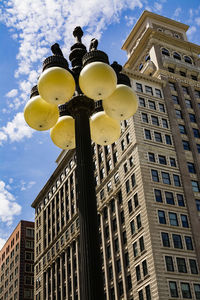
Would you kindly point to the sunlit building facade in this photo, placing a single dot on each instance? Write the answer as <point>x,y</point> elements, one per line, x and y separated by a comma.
<point>147,183</point>
<point>17,264</point>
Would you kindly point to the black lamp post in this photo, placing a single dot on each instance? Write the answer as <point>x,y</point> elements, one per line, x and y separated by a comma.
<point>81,107</point>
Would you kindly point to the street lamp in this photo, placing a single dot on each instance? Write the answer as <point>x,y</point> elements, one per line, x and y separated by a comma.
<point>77,95</point>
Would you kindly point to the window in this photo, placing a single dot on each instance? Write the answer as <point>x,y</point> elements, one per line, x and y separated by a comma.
<point>193,266</point>
<point>135,198</point>
<point>141,243</point>
<point>158,195</point>
<point>187,59</point>
<point>158,93</point>
<point>165,123</point>
<point>165,239</point>
<point>176,180</point>
<point>169,263</point>
<point>188,242</point>
<point>188,103</point>
<point>196,133</point>
<point>154,174</point>
<point>162,159</point>
<point>177,241</point>
<point>186,145</point>
<point>185,90</point>
<point>172,86</point>
<point>184,221</point>
<point>154,120</point>
<point>129,282</point>
<point>197,290</point>
<point>180,200</point>
<point>194,77</point>
<point>122,145</point>
<point>133,181</point>
<point>158,137</point>
<point>161,107</point>
<point>168,139</point>
<point>142,102</point>
<point>177,56</point>
<point>165,52</point>
<point>139,87</point>
<point>186,292</point>
<point>144,268</point>
<point>197,93</point>
<point>152,105</point>
<point>178,114</point>
<point>195,186</point>
<point>173,289</point>
<point>182,73</point>
<point>138,274</point>
<point>161,217</point>
<point>148,90</point>
<point>130,206</point>
<point>169,198</point>
<point>135,249</point>
<point>191,167</point>
<point>172,162</point>
<point>192,118</point>
<point>197,204</point>
<point>198,148</point>
<point>173,219</point>
<point>181,265</point>
<point>175,99</point>
<point>132,225</point>
<point>138,220</point>
<point>148,292</point>
<point>127,186</point>
<point>140,67</point>
<point>140,295</point>
<point>151,157</point>
<point>166,178</point>
<point>182,129</point>
<point>147,134</point>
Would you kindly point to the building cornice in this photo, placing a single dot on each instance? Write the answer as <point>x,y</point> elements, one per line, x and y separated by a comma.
<point>141,76</point>
<point>146,14</point>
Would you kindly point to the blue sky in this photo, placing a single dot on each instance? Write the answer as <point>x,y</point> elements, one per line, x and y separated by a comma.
<point>27,30</point>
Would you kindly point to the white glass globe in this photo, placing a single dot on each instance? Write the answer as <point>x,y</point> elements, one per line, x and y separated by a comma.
<point>104,130</point>
<point>56,85</point>
<point>39,114</point>
<point>122,104</point>
<point>97,80</point>
<point>63,133</point>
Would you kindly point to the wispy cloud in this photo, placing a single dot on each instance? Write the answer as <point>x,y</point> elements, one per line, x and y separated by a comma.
<point>8,207</point>
<point>26,185</point>
<point>12,93</point>
<point>191,31</point>
<point>177,12</point>
<point>2,242</point>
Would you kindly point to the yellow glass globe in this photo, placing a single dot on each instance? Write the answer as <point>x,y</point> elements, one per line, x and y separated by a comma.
<point>39,114</point>
<point>122,104</point>
<point>104,130</point>
<point>63,133</point>
<point>97,80</point>
<point>56,85</point>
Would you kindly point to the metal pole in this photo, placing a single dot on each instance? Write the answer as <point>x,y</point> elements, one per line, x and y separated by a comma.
<point>91,280</point>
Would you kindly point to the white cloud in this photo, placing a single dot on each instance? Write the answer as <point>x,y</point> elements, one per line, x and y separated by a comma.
<point>191,30</point>
<point>177,12</point>
<point>158,6</point>
<point>26,185</point>
<point>2,242</point>
<point>12,93</point>
<point>197,20</point>
<point>15,130</point>
<point>8,207</point>
<point>130,20</point>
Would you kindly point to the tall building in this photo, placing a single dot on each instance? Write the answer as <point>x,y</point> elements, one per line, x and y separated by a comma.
<point>17,264</point>
<point>147,184</point>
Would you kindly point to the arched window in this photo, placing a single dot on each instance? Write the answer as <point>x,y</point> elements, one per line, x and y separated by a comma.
<point>147,57</point>
<point>177,56</point>
<point>165,52</point>
<point>140,67</point>
<point>188,60</point>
